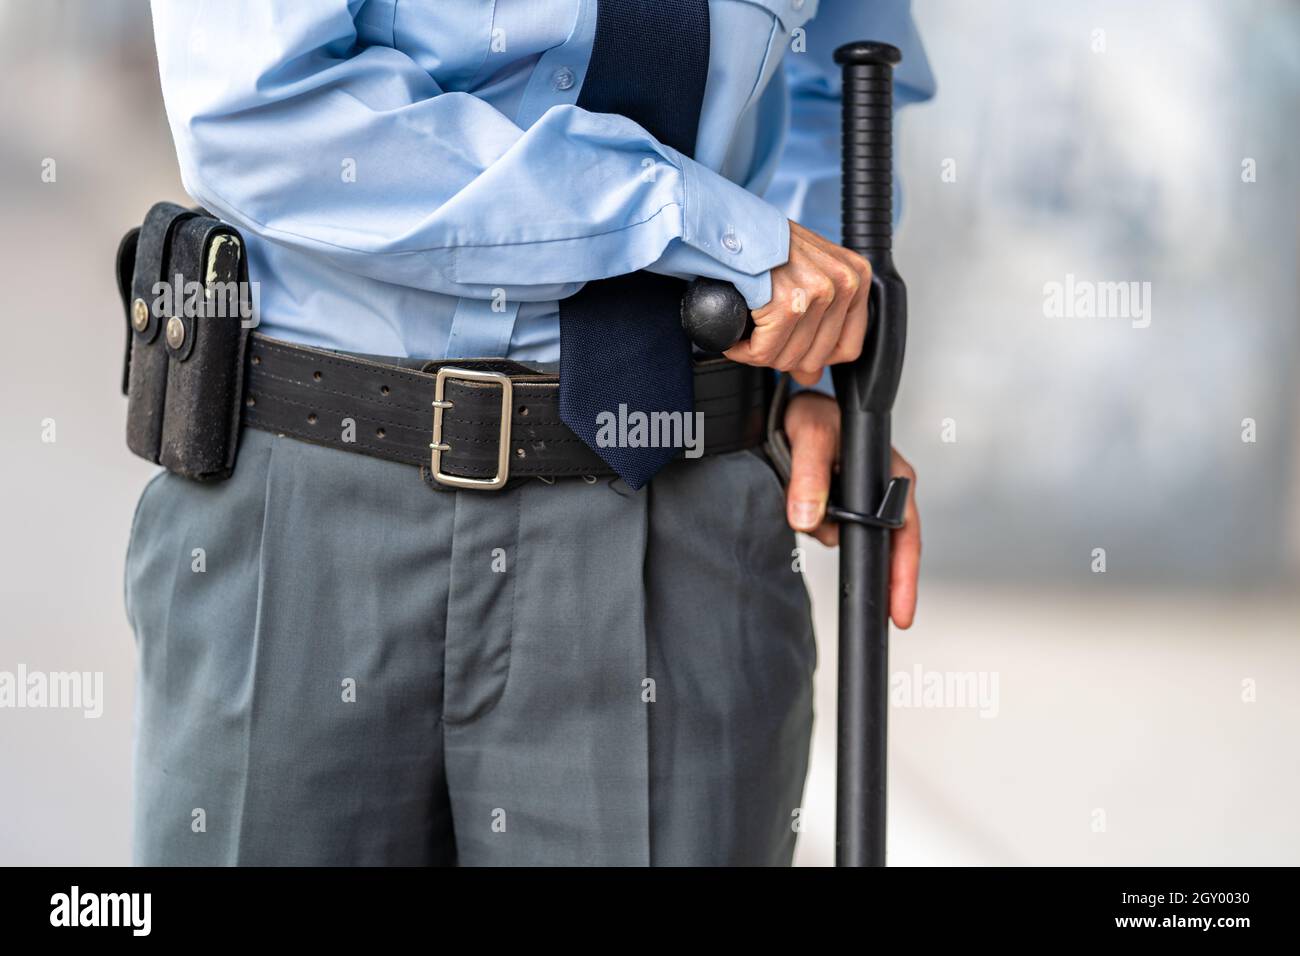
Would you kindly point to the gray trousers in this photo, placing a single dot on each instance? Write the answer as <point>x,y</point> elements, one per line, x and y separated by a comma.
<point>340,665</point>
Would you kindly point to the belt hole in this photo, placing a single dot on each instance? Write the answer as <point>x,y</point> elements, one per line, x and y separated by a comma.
<point>250,401</point>
<point>383,389</point>
<point>379,433</point>
<point>520,453</point>
<point>523,410</point>
<point>257,360</point>
<point>311,418</point>
<point>316,376</point>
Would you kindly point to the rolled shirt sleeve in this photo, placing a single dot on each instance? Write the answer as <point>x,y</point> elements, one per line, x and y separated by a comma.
<point>286,125</point>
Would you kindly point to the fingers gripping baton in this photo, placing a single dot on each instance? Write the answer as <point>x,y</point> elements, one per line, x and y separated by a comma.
<point>870,504</point>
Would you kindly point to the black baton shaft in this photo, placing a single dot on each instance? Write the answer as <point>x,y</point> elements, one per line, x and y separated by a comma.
<point>866,390</point>
<point>716,317</point>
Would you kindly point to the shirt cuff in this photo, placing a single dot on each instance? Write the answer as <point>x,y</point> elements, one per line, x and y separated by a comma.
<point>823,385</point>
<point>743,236</point>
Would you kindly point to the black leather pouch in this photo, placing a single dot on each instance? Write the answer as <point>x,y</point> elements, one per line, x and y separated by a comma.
<point>184,280</point>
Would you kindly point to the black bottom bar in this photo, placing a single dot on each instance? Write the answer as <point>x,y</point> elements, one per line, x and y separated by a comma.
<point>475,909</point>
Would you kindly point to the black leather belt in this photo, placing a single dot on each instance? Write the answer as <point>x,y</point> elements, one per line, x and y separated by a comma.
<point>467,423</point>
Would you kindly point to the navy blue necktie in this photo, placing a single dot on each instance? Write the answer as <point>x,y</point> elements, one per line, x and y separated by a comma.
<point>621,340</point>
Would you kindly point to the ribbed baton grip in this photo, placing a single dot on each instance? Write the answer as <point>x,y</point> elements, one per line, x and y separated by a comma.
<point>868,196</point>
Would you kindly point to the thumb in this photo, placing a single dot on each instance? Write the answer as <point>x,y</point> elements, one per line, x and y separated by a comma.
<point>813,446</point>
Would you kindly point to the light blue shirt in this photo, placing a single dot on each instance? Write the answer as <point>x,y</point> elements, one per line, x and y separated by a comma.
<point>413,177</point>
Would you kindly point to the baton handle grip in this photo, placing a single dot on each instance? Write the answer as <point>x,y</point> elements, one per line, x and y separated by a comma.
<point>715,315</point>
<point>868,185</point>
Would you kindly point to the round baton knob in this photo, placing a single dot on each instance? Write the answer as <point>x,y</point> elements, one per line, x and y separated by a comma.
<point>714,314</point>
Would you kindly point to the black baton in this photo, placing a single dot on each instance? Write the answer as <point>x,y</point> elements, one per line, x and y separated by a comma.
<point>866,391</point>
<point>870,503</point>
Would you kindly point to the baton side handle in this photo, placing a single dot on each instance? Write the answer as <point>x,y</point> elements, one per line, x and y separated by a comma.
<point>715,315</point>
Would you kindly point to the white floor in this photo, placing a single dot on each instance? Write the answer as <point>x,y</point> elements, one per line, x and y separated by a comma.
<point>1121,735</point>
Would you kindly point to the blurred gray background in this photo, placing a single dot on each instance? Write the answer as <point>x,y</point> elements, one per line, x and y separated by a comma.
<point>1100,139</point>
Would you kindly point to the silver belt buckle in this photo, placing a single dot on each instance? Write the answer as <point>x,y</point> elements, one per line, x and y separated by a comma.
<point>440,405</point>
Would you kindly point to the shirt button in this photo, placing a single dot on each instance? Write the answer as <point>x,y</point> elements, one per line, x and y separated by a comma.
<point>732,243</point>
<point>564,78</point>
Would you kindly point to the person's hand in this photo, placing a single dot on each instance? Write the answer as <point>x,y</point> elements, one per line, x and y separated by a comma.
<point>818,312</point>
<point>812,424</point>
